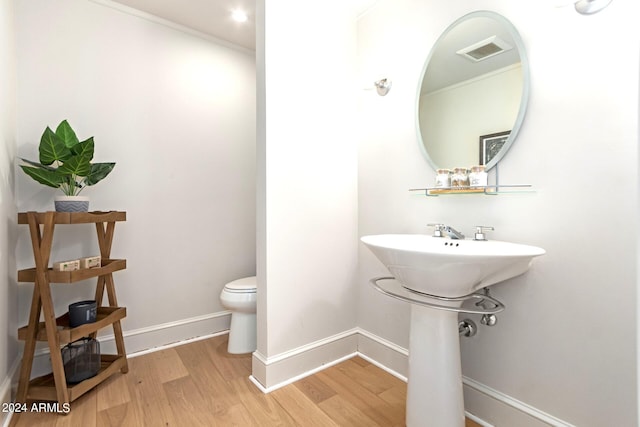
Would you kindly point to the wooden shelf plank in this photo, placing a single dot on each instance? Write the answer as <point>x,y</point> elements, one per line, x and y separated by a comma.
<point>105,316</point>
<point>489,189</point>
<point>44,388</point>
<point>77,217</point>
<point>108,266</point>
<point>466,190</point>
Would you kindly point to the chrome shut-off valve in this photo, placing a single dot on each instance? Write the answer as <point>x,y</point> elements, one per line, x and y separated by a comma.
<point>487,319</point>
<point>467,328</point>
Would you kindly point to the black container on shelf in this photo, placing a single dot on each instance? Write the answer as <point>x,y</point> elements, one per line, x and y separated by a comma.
<point>82,312</point>
<point>81,360</point>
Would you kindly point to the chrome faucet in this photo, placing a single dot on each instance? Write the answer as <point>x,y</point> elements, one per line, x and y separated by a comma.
<point>439,230</point>
<point>453,233</point>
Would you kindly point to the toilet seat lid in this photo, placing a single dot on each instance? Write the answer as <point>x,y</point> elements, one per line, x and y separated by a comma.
<point>244,285</point>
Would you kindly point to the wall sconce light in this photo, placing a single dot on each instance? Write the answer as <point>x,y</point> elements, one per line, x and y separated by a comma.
<point>383,86</point>
<point>585,7</point>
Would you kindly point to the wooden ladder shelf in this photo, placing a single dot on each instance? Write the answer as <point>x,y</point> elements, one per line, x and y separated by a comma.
<point>56,331</point>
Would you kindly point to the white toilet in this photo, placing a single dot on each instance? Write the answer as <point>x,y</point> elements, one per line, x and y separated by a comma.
<point>239,297</point>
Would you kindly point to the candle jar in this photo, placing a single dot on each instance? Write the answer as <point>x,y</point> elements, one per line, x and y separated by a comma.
<point>460,178</point>
<point>443,178</point>
<point>478,177</point>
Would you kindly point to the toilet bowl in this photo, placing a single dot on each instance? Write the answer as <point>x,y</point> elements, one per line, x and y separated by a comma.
<point>239,297</point>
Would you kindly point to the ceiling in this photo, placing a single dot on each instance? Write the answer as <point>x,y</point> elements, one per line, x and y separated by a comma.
<point>211,17</point>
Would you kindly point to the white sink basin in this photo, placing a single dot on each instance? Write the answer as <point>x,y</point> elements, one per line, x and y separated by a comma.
<point>447,267</point>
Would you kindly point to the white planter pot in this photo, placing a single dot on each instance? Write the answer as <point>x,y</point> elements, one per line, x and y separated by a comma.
<point>71,204</point>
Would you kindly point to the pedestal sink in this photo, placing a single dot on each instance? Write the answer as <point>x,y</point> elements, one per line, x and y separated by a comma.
<point>447,272</point>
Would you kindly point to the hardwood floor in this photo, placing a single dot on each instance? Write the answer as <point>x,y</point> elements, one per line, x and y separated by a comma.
<point>199,384</point>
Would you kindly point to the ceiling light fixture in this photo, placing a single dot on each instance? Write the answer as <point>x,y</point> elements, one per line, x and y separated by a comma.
<point>239,15</point>
<point>585,7</point>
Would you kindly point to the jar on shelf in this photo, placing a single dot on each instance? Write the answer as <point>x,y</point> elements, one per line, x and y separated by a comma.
<point>443,178</point>
<point>460,178</point>
<point>478,176</point>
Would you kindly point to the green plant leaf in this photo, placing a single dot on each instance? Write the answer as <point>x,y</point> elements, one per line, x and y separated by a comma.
<point>52,148</point>
<point>38,165</point>
<point>44,176</point>
<point>98,172</point>
<point>66,134</point>
<point>84,149</point>
<point>76,165</point>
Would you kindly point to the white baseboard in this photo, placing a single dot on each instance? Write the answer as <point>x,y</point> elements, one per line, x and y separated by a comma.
<point>270,373</point>
<point>300,376</point>
<point>496,407</point>
<point>384,354</point>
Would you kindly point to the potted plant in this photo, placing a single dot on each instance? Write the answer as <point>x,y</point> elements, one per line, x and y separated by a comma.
<point>65,163</point>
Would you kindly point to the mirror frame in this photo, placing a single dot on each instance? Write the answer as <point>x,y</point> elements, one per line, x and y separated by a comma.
<point>526,82</point>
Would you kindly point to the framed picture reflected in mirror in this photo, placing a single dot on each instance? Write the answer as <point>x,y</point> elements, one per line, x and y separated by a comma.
<point>491,144</point>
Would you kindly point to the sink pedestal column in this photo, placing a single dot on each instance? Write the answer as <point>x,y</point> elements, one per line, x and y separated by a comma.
<point>434,393</point>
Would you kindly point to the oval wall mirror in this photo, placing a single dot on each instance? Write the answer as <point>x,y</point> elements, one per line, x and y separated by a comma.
<point>473,93</point>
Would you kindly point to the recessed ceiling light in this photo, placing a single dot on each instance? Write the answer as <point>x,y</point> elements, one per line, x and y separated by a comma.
<point>239,15</point>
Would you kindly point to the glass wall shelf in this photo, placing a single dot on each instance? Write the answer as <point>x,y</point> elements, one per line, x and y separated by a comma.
<point>491,190</point>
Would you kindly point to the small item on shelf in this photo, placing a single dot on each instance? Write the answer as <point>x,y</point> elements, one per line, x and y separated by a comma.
<point>478,177</point>
<point>71,265</point>
<point>82,312</point>
<point>81,360</point>
<point>91,262</point>
<point>460,178</point>
<point>443,178</point>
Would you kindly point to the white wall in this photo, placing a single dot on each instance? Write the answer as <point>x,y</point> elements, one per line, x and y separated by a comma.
<point>8,294</point>
<point>307,218</point>
<point>177,114</point>
<point>566,344</point>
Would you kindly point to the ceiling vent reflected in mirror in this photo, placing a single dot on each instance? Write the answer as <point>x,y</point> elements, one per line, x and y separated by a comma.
<point>485,49</point>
